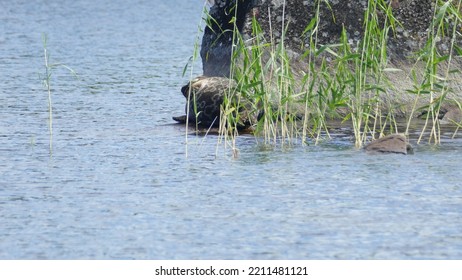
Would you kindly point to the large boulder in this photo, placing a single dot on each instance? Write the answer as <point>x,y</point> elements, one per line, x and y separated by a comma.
<point>294,16</point>
<point>219,34</point>
<point>287,20</point>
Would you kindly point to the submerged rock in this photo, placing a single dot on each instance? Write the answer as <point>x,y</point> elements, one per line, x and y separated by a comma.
<point>391,144</point>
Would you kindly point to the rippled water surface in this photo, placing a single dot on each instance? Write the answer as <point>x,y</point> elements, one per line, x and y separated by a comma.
<point>119,186</point>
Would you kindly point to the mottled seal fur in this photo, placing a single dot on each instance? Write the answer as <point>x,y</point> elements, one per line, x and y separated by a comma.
<point>204,99</point>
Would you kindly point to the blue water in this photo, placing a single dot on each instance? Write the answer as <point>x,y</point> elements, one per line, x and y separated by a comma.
<point>119,185</point>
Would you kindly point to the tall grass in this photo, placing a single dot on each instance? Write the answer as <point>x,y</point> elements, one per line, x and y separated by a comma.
<point>311,76</point>
<point>340,80</point>
<point>189,69</point>
<point>262,69</point>
<point>434,83</point>
<point>298,105</point>
<point>367,76</point>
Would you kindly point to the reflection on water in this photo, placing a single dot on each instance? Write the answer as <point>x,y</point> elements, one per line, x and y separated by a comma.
<point>119,186</point>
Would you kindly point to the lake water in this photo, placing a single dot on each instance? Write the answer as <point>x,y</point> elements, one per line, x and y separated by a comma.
<point>119,186</point>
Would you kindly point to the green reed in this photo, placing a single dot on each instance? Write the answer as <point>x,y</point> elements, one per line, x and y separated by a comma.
<point>190,65</point>
<point>264,74</point>
<point>285,97</point>
<point>365,76</point>
<point>338,81</point>
<point>47,84</point>
<point>434,83</point>
<point>314,95</point>
<point>49,67</point>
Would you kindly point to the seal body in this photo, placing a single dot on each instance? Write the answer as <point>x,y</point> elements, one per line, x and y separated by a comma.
<point>205,98</point>
<point>391,144</point>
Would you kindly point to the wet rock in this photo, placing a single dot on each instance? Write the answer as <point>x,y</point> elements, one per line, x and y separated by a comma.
<point>391,144</point>
<point>217,41</point>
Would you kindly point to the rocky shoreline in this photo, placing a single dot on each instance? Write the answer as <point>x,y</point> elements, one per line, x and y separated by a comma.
<point>410,36</point>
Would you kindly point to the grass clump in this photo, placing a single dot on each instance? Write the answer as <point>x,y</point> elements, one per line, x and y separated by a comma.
<point>339,80</point>
<point>434,83</point>
<point>298,104</point>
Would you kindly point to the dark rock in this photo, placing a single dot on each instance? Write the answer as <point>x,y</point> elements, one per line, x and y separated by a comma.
<point>414,16</point>
<point>217,40</point>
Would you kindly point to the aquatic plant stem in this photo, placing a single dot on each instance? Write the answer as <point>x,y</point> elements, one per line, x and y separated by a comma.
<point>432,83</point>
<point>193,58</point>
<point>46,82</point>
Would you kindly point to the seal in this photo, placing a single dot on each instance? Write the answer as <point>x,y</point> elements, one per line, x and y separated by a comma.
<point>390,144</point>
<point>205,98</point>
